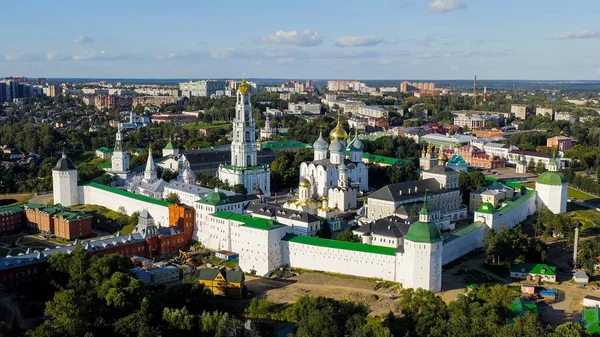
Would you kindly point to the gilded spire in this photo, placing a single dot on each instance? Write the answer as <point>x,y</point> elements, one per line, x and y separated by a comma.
<point>441,156</point>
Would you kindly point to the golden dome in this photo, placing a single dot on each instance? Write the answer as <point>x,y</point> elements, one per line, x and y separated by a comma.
<point>339,133</point>
<point>304,183</point>
<point>244,88</point>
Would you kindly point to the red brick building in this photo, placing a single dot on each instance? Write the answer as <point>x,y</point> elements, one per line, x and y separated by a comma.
<point>70,225</point>
<point>182,217</point>
<point>11,219</point>
<point>58,220</point>
<point>476,157</point>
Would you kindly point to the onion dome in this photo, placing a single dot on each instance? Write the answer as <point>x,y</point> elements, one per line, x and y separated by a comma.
<point>336,146</point>
<point>338,132</point>
<point>356,144</point>
<point>342,166</point>
<point>188,174</point>
<point>320,144</point>
<point>304,183</point>
<point>244,88</point>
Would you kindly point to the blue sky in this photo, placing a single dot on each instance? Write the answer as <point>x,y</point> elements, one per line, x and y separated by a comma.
<point>377,39</point>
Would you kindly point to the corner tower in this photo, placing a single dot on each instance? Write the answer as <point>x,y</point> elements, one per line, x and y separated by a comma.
<point>422,258</point>
<point>64,182</point>
<point>552,188</point>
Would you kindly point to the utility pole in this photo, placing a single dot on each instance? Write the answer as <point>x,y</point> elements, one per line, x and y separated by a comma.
<point>575,246</point>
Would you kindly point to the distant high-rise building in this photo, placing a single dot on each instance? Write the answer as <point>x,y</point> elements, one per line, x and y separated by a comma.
<point>540,111</point>
<point>408,86</point>
<point>204,88</point>
<point>519,110</point>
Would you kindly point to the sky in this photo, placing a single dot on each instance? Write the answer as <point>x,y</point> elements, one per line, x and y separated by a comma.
<point>309,39</point>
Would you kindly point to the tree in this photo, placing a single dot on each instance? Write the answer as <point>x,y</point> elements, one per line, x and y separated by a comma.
<point>239,189</point>
<point>348,236</point>
<point>173,198</point>
<point>540,167</point>
<point>414,213</point>
<point>325,231</point>
<point>423,311</point>
<point>589,250</point>
<point>531,165</point>
<point>568,329</point>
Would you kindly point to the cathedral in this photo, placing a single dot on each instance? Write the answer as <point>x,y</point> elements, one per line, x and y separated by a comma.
<point>244,168</point>
<point>323,172</point>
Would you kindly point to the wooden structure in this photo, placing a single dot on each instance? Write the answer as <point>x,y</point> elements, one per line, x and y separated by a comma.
<point>223,282</point>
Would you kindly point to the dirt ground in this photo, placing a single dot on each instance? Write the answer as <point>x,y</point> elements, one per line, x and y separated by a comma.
<point>317,284</point>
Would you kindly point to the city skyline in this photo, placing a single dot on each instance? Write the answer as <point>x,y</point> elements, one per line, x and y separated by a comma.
<point>433,39</point>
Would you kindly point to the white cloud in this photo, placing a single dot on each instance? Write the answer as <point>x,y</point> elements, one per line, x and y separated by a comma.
<point>21,57</point>
<point>584,34</point>
<point>294,37</point>
<point>82,39</point>
<point>425,40</point>
<point>358,41</point>
<point>100,55</point>
<point>444,6</point>
<point>54,57</point>
<point>460,54</point>
<point>226,53</point>
<point>177,55</point>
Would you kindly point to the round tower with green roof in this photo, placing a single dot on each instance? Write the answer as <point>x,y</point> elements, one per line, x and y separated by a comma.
<point>423,249</point>
<point>552,188</point>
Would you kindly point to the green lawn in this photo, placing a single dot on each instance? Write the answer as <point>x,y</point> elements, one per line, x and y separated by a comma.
<point>216,125</point>
<point>575,194</point>
<point>3,251</point>
<point>34,243</point>
<point>589,218</point>
<point>104,218</point>
<point>127,229</point>
<point>571,194</point>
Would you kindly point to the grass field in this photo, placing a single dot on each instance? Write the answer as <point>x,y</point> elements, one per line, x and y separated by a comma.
<point>571,194</point>
<point>104,218</point>
<point>3,251</point>
<point>589,218</point>
<point>575,194</point>
<point>216,126</point>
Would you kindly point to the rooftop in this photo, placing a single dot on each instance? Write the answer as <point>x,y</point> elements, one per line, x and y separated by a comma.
<point>129,194</point>
<point>335,244</point>
<point>10,209</point>
<point>534,268</point>
<point>462,231</point>
<point>248,221</point>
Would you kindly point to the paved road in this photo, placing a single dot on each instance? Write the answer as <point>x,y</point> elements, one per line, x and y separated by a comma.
<point>39,199</point>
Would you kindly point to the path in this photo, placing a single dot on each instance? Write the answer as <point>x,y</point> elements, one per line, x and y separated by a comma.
<point>40,199</point>
<point>492,275</point>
